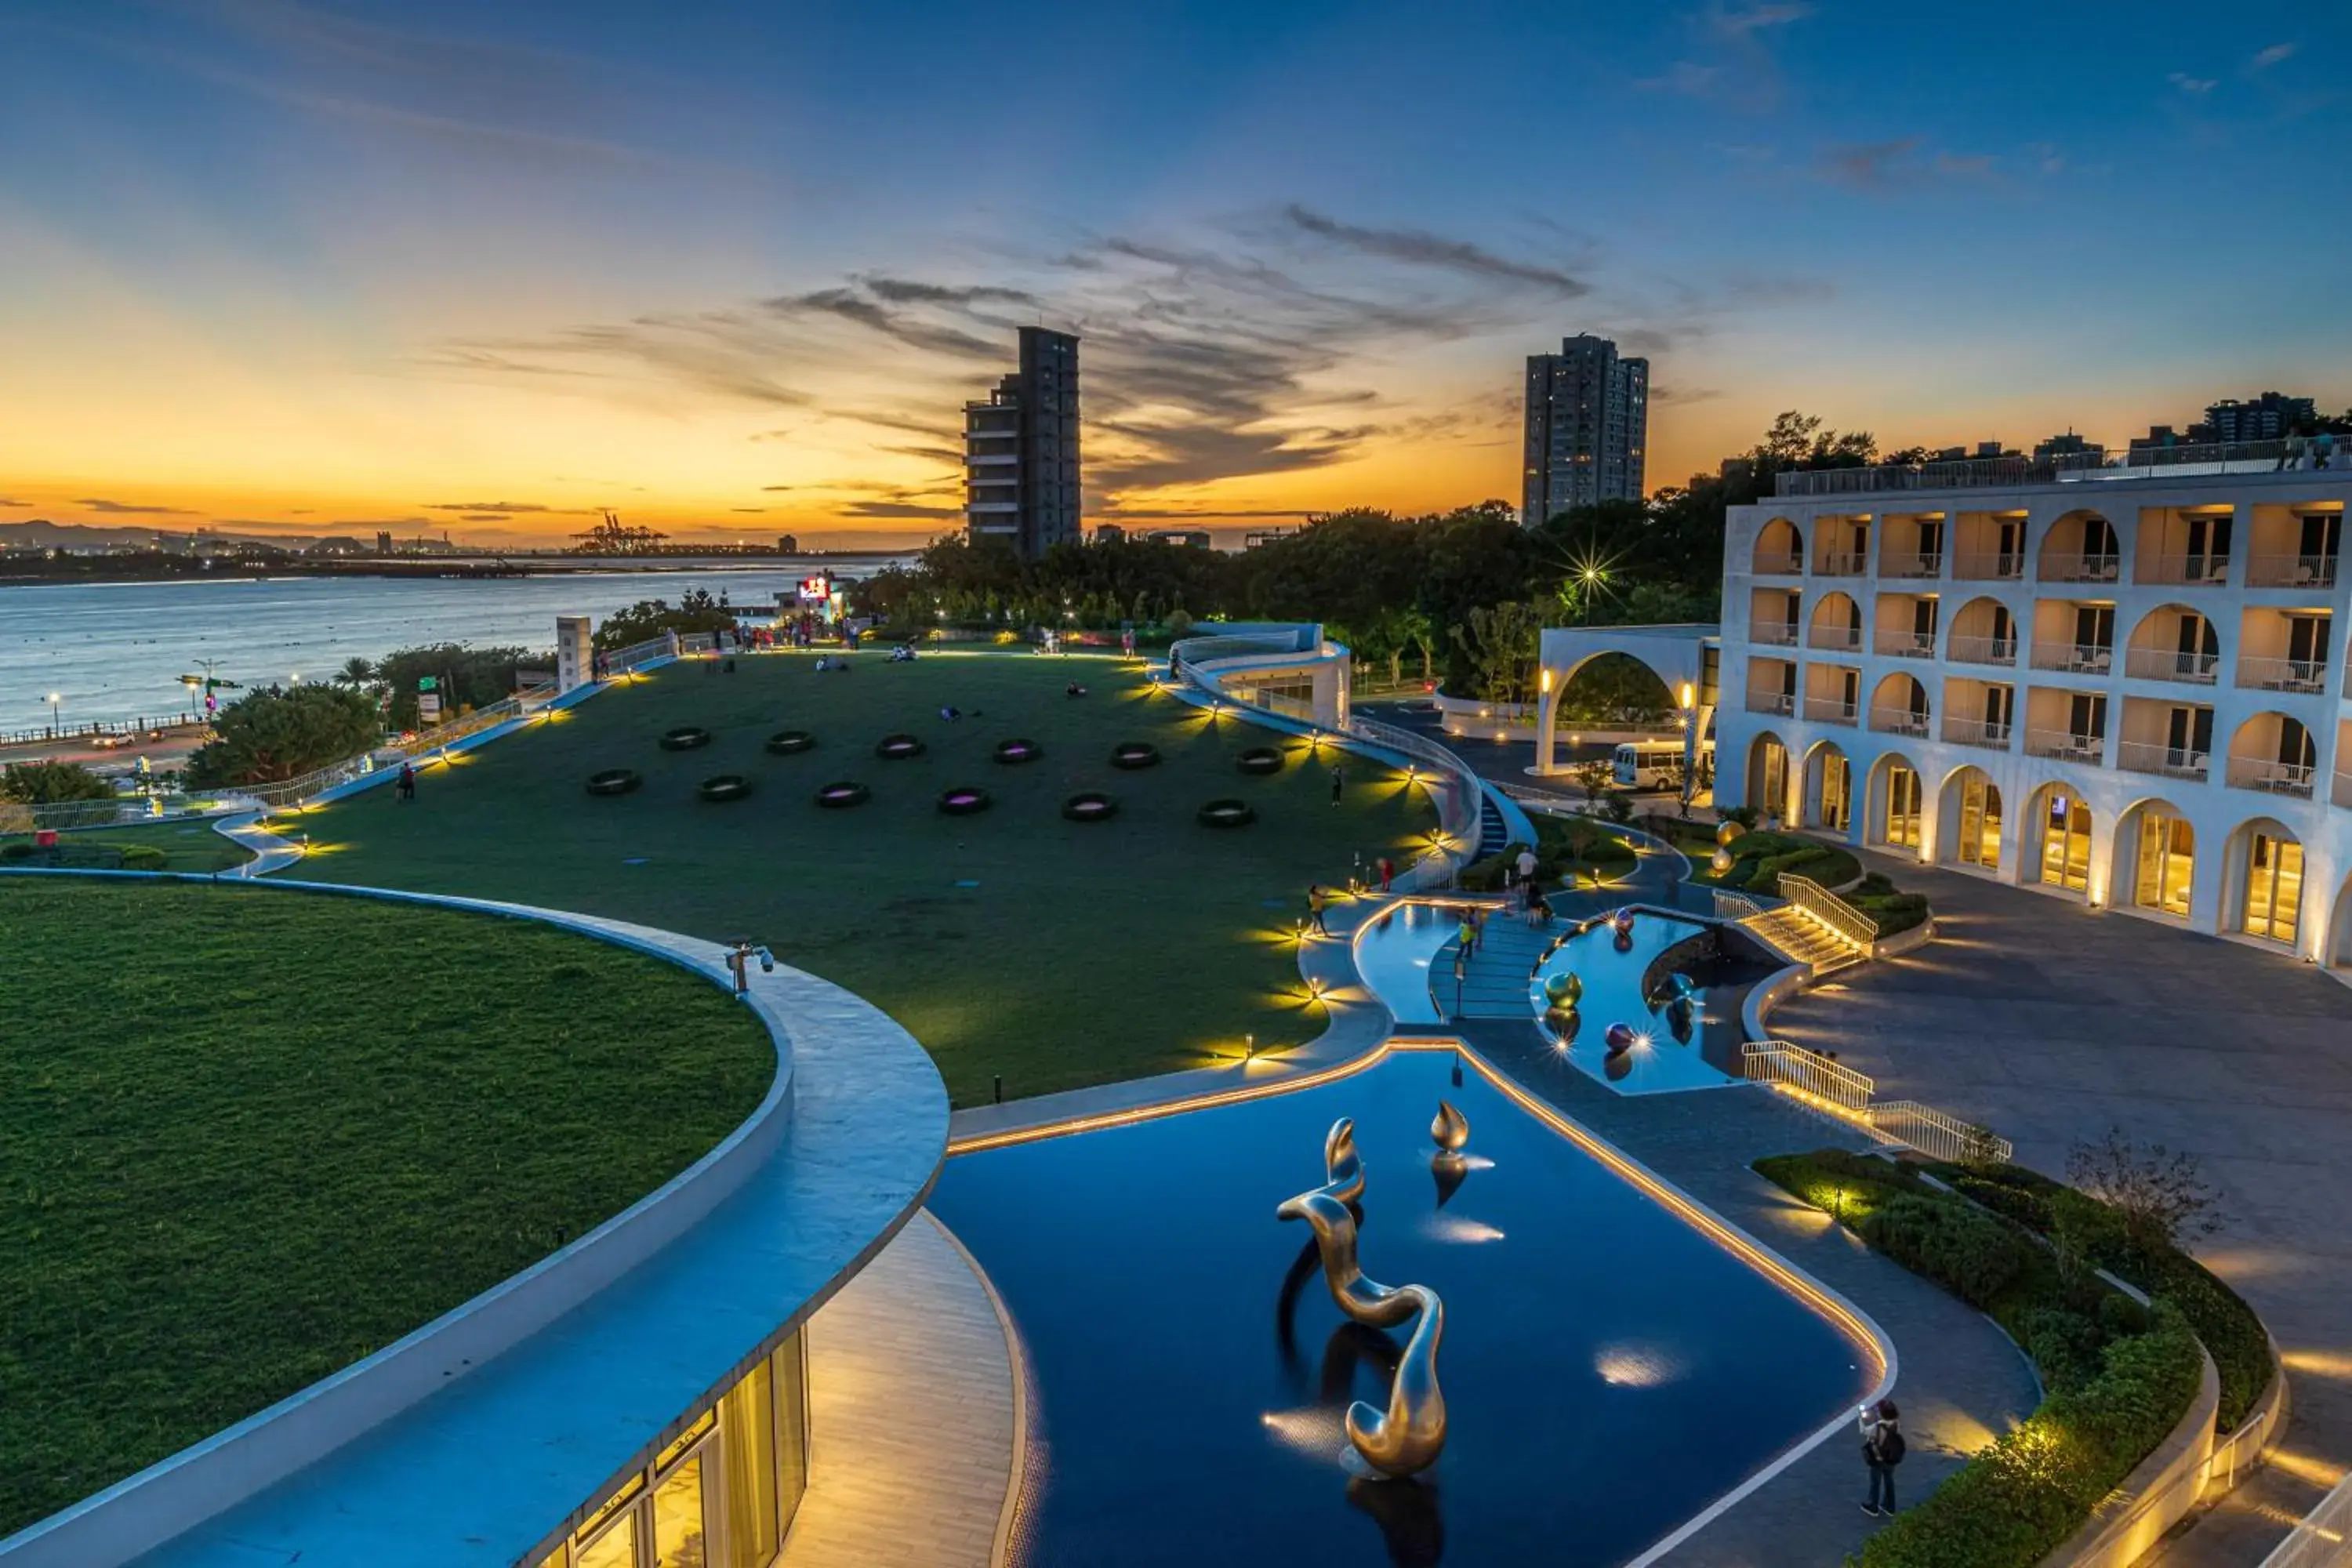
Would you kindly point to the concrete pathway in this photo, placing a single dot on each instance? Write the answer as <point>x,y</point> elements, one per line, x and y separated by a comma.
<point>915,1407</point>
<point>2052,1023</point>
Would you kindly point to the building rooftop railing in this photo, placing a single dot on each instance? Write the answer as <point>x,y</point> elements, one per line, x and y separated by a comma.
<point>2293,453</point>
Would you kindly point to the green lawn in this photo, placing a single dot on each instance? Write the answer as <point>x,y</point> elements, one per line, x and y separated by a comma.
<point>248,1136</point>
<point>1055,954</point>
<point>186,846</point>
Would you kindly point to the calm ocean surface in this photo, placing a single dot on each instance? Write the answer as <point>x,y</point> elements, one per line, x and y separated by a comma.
<point>116,651</point>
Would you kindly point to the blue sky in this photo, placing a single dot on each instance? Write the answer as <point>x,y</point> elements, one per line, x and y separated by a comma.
<point>491,267</point>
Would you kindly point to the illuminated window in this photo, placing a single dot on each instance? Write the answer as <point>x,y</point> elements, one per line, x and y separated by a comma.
<point>2166,862</point>
<point>2067,842</point>
<point>2273,887</point>
<point>1979,822</point>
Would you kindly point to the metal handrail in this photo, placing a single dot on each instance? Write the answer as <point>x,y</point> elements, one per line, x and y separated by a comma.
<point>1842,564</point>
<point>2283,674</point>
<point>1773,633</point>
<point>1937,1135</point>
<point>2171,761</point>
<point>1778,563</point>
<point>1735,906</point>
<point>1835,639</point>
<point>1988,565</point>
<point>1776,702</point>
<point>2082,567</point>
<point>2073,658</point>
<point>2290,571</point>
<point>1915,564</point>
<point>1899,721</point>
<point>1778,1061</point>
<point>1964,731</point>
<point>1830,709</point>
<point>2065,745</point>
<point>2324,1539</point>
<point>1827,1085</point>
<point>1983,650</point>
<point>1905,645</point>
<point>2193,570</point>
<point>1826,907</point>
<point>2272,777</point>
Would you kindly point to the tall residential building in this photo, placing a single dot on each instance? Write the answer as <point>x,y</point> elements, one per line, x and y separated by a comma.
<point>1021,449</point>
<point>2263,418</point>
<point>1588,424</point>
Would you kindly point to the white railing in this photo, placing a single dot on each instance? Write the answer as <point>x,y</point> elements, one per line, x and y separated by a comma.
<point>2324,1539</point>
<point>1735,906</point>
<point>1830,709</point>
<point>620,660</point>
<point>1778,1061</point>
<point>2168,761</point>
<point>1778,563</point>
<point>1988,565</point>
<point>1458,803</point>
<point>1938,1136</point>
<point>1836,639</point>
<point>1773,633</point>
<point>1779,702</point>
<point>2066,746</point>
<point>2074,658</point>
<point>1976,732</point>
<point>1983,650</point>
<point>1840,563</point>
<point>15,818</point>
<point>2289,454</point>
<point>1905,645</point>
<point>1899,721</point>
<point>44,734</point>
<point>1832,911</point>
<point>2171,664</point>
<point>2291,572</point>
<point>2272,777</point>
<point>2283,674</point>
<point>2080,568</point>
<point>1238,645</point>
<point>1920,564</point>
<point>2187,569</point>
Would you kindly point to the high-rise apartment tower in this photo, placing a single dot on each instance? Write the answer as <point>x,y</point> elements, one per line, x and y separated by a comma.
<point>1587,426</point>
<point>1021,449</point>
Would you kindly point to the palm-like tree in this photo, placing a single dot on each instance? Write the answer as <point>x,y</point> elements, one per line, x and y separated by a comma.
<point>356,672</point>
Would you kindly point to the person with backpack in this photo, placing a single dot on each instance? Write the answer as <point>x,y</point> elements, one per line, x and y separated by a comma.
<point>1881,1450</point>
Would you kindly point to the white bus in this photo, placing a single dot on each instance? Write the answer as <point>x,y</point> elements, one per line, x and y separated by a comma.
<point>1650,765</point>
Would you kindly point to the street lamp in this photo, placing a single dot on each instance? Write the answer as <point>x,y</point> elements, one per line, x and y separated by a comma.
<point>55,700</point>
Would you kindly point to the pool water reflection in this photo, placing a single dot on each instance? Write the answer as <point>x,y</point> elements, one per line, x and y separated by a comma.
<point>1393,952</point>
<point>1671,1031</point>
<point>1608,1371</point>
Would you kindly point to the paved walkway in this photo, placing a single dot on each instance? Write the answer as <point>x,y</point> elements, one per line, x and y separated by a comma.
<point>912,1405</point>
<point>2052,1023</point>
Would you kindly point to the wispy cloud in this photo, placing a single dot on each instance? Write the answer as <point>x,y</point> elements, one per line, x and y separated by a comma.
<point>1902,164</point>
<point>1420,247</point>
<point>2274,55</point>
<point>125,509</point>
<point>503,508</point>
<point>1687,78</point>
<point>5,500</point>
<point>1732,62</point>
<point>2194,86</point>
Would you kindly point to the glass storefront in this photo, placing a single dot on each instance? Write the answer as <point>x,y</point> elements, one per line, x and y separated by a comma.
<point>2273,887</point>
<point>1902,825</point>
<point>723,1492</point>
<point>1836,790</point>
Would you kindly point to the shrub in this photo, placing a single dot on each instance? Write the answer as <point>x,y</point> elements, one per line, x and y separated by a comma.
<point>143,858</point>
<point>46,783</point>
<point>1486,875</point>
<point>2030,1209</point>
<point>2064,1343</point>
<point>18,850</point>
<point>269,736</point>
<point>1969,1254</point>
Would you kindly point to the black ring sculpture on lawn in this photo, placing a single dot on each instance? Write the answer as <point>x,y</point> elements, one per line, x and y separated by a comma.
<point>964,800</point>
<point>897,748</point>
<point>684,738</point>
<point>784,743</point>
<point>1134,754</point>
<point>844,792</point>
<point>724,786</point>
<point>1018,751</point>
<point>613,781</point>
<point>1227,814</point>
<point>1259,759</point>
<point>1090,805</point>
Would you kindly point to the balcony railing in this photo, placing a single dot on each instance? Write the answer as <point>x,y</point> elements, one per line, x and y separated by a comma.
<point>1899,721</point>
<point>2272,777</point>
<point>2186,568</point>
<point>2283,674</point>
<point>1780,702</point>
<point>1839,639</point>
<point>2171,664</point>
<point>1842,564</point>
<point>1905,645</point>
<point>2290,453</point>
<point>1990,566</point>
<point>1773,633</point>
<point>2066,746</point>
<point>1976,732</point>
<point>2074,658</point>
<point>1983,650</point>
<point>1830,709</point>
<point>2291,572</point>
<point>1778,563</point>
<point>1918,563</point>
<point>2081,568</point>
<point>2168,762</point>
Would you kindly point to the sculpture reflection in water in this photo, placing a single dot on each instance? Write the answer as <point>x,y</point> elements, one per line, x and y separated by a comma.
<point>1407,1437</point>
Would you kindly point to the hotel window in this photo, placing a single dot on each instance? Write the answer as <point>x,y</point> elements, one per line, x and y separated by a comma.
<point>1836,782</point>
<point>1902,806</point>
<point>1979,822</point>
<point>2167,862</point>
<point>2067,843</point>
<point>2273,887</point>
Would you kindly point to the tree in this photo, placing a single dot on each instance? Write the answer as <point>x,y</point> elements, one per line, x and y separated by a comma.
<point>1593,776</point>
<point>1501,641</point>
<point>355,673</point>
<point>465,677</point>
<point>649,618</point>
<point>272,735</point>
<point>2162,1195</point>
<point>46,783</point>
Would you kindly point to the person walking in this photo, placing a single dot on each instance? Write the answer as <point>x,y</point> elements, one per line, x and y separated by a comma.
<point>1339,782</point>
<point>1315,902</point>
<point>1526,863</point>
<point>1881,1450</point>
<point>1388,873</point>
<point>406,786</point>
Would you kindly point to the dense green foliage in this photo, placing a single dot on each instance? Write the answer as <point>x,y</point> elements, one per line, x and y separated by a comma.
<point>1759,857</point>
<point>2118,1378</point>
<point>191,847</point>
<point>46,783</point>
<point>272,735</point>
<point>1056,952</point>
<point>466,677</point>
<point>1890,906</point>
<point>248,1136</point>
<point>646,619</point>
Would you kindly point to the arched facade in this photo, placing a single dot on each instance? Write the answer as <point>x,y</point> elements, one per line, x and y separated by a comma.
<point>2154,869</point>
<point>1836,624</point>
<point>2056,839</point>
<point>1829,788</point>
<point>1971,821</point>
<point>2339,929</point>
<point>2263,892</point>
<point>2083,546</point>
<point>1766,778</point>
<point>1900,706</point>
<point>1780,549</point>
<point>1983,631</point>
<point>1896,813</point>
<point>2174,642</point>
<point>2275,753</point>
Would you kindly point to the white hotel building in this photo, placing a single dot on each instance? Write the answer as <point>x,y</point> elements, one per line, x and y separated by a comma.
<point>2121,685</point>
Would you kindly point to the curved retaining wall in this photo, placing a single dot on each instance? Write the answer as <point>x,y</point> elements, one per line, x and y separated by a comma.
<point>176,1494</point>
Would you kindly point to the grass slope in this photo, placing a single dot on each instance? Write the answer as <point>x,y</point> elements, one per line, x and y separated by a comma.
<point>1013,941</point>
<point>186,846</point>
<point>248,1136</point>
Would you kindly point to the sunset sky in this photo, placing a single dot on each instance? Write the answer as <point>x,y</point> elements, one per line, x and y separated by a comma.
<point>733,271</point>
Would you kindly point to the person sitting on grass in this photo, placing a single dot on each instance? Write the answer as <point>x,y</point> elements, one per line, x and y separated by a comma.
<point>950,713</point>
<point>1074,689</point>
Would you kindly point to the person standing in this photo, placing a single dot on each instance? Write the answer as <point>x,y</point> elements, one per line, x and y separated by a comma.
<point>1526,863</point>
<point>1339,782</point>
<point>1315,902</point>
<point>1881,1450</point>
<point>1388,873</point>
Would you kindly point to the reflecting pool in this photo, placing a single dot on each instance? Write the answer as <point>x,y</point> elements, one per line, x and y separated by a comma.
<point>1608,1371</point>
<point>1671,1048</point>
<point>1394,951</point>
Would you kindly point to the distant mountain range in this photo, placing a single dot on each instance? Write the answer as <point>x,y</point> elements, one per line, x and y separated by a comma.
<point>41,533</point>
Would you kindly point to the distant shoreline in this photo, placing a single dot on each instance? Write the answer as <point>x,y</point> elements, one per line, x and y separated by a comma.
<point>98,568</point>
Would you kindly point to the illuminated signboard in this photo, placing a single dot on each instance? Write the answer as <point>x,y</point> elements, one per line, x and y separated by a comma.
<point>817,590</point>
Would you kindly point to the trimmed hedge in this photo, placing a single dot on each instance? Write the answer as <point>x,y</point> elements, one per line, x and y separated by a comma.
<point>1972,1254</point>
<point>1760,858</point>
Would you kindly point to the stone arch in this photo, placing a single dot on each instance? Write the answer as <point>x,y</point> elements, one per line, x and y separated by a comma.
<point>2154,650</point>
<point>1972,826</point>
<point>1895,809</point>
<point>2339,928</point>
<point>1983,631</point>
<point>1766,775</point>
<point>2083,546</point>
<point>1835,623</point>
<point>2275,753</point>
<point>1779,549</point>
<point>1828,783</point>
<point>2155,858</point>
<point>2055,834</point>
<point>2262,883</point>
<point>1900,706</point>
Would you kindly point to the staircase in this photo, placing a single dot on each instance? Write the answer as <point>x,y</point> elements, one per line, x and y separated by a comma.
<point>1495,984</point>
<point>1804,938</point>
<point>1494,834</point>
